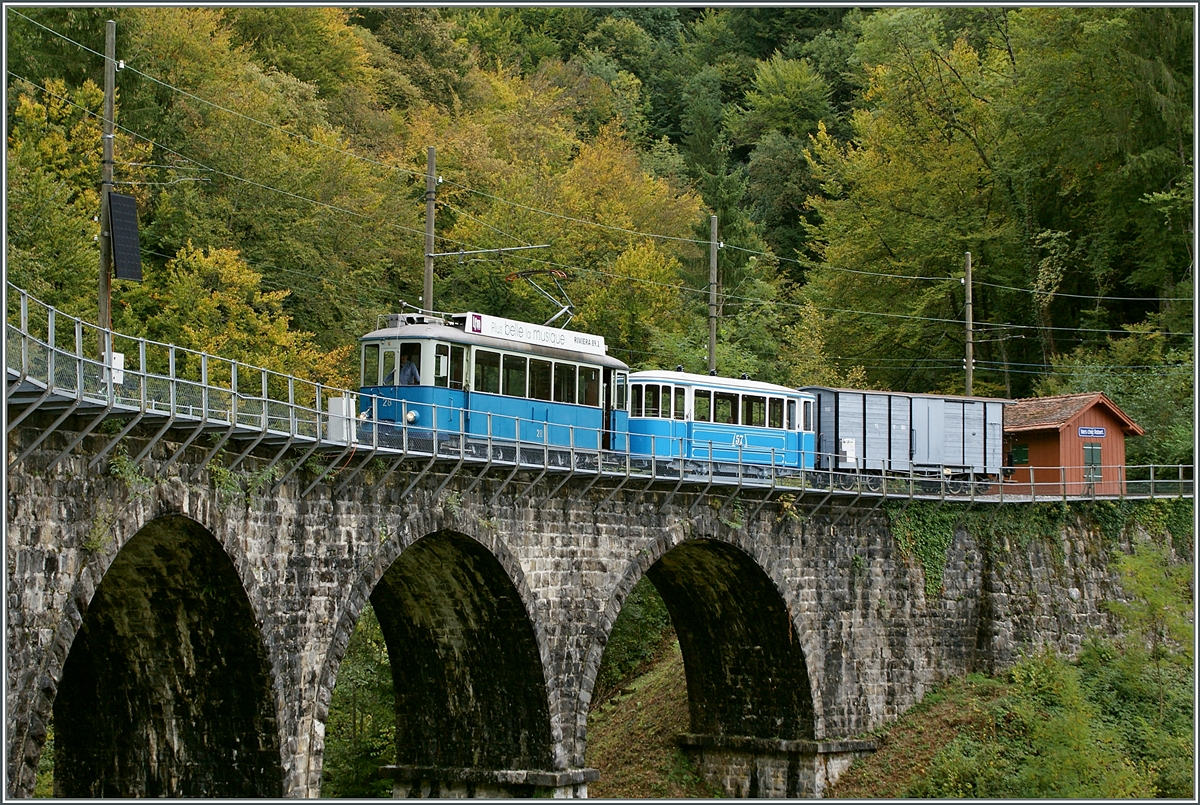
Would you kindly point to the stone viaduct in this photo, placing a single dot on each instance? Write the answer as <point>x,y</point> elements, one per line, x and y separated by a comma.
<point>185,635</point>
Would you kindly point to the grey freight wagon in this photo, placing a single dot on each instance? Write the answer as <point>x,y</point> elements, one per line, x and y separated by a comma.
<point>889,432</point>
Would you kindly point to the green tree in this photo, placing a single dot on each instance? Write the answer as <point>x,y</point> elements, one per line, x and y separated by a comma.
<point>360,731</point>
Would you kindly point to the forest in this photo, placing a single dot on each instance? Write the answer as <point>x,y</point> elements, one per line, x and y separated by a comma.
<point>853,157</point>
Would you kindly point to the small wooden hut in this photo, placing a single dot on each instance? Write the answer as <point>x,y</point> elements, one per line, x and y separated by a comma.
<point>1073,443</point>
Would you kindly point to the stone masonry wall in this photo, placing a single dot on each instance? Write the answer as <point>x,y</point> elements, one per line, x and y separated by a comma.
<point>870,640</point>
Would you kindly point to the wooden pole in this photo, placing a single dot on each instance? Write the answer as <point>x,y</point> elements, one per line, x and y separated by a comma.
<point>712,295</point>
<point>430,198</point>
<point>106,176</point>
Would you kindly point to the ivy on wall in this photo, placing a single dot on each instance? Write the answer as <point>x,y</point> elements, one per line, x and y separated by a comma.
<point>926,530</point>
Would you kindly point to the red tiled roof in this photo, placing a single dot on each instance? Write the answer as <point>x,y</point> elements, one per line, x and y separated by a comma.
<point>1043,413</point>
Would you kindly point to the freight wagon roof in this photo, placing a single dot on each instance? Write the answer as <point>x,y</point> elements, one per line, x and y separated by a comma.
<point>913,394</point>
<point>1055,413</point>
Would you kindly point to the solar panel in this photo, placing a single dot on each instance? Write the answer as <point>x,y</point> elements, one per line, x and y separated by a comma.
<point>127,254</point>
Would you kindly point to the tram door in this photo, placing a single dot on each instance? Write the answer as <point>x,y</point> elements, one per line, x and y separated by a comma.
<point>606,395</point>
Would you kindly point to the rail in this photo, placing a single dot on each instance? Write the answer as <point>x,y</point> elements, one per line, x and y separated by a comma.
<point>64,366</point>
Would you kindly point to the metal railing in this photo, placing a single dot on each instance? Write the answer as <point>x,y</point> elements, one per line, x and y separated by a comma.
<point>58,363</point>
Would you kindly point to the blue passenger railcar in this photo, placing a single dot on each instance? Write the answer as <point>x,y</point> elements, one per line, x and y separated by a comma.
<point>724,420</point>
<point>484,377</point>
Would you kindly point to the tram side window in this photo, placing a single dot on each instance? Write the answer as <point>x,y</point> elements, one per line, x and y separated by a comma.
<point>652,395</point>
<point>621,380</point>
<point>540,379</point>
<point>665,411</point>
<point>487,371</point>
<point>791,414</point>
<point>754,410</point>
<point>775,413</point>
<point>725,408</point>
<point>515,367</point>
<point>808,412</point>
<point>448,365</point>
<point>679,394</point>
<point>589,385</point>
<point>635,396</point>
<point>564,382</point>
<point>370,365</point>
<point>702,405</point>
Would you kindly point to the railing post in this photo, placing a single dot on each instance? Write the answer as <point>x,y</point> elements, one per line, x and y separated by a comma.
<point>291,405</point>
<point>1151,481</point>
<point>171,373</point>
<point>144,370</point>
<point>233,394</point>
<point>79,356</point>
<point>110,380</point>
<point>50,381</point>
<point>24,333</point>
<point>266,422</point>
<point>204,385</point>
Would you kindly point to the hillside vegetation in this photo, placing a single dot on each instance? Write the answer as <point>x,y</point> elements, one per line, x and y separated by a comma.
<point>277,156</point>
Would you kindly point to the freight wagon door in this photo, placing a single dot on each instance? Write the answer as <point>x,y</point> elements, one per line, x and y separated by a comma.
<point>928,425</point>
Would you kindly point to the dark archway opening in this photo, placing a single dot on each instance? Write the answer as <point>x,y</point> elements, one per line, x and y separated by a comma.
<point>703,644</point>
<point>166,691</point>
<point>746,673</point>
<point>469,686</point>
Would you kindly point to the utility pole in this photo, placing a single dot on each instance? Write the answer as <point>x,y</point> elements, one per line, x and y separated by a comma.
<point>712,295</point>
<point>430,197</point>
<point>106,177</point>
<point>970,362</point>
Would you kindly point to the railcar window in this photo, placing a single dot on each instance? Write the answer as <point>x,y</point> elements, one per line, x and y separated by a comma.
<point>775,413</point>
<point>458,366</point>
<point>589,385</point>
<point>441,365</point>
<point>754,410</point>
<point>725,408</point>
<point>539,379</point>
<point>564,382</point>
<point>652,395</point>
<point>679,394</point>
<point>515,367</point>
<point>702,405</point>
<point>621,381</point>
<point>389,367</point>
<point>665,401</point>
<point>808,412</point>
<point>370,365</point>
<point>487,371</point>
<point>635,396</point>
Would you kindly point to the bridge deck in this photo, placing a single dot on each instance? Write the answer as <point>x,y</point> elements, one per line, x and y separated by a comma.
<point>192,394</point>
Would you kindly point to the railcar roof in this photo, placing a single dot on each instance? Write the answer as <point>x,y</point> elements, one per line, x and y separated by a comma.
<point>712,381</point>
<point>439,331</point>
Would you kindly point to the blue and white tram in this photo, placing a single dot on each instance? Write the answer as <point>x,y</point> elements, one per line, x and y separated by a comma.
<point>493,379</point>
<point>703,418</point>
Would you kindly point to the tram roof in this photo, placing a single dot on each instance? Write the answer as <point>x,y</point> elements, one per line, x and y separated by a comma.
<point>710,381</point>
<point>438,330</point>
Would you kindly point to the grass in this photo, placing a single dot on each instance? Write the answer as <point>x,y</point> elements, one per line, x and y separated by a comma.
<point>631,735</point>
<point>908,746</point>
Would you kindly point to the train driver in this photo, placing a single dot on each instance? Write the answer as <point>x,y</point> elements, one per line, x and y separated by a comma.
<point>408,372</point>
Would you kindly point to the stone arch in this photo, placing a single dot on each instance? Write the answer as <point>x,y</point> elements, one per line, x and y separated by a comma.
<point>720,596</point>
<point>436,595</point>
<point>167,689</point>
